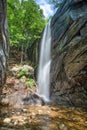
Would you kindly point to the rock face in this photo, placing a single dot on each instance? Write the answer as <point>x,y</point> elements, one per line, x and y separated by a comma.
<point>19,99</point>
<point>69,53</point>
<point>4,42</point>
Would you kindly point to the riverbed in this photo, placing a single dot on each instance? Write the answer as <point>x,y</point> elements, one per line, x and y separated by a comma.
<point>48,117</point>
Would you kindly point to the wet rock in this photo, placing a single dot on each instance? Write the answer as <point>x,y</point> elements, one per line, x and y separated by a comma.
<point>33,99</point>
<point>5,128</point>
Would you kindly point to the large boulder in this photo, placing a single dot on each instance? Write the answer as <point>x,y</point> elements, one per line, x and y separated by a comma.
<point>69,53</point>
<point>22,98</point>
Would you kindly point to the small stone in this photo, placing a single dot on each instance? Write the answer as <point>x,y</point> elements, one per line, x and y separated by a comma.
<point>7,120</point>
<point>25,110</point>
<point>40,111</point>
<point>15,123</point>
<point>23,79</point>
<point>60,117</point>
<point>33,114</point>
<point>63,127</point>
<point>74,119</point>
<point>24,118</point>
<point>48,111</point>
<point>18,113</point>
<point>21,120</point>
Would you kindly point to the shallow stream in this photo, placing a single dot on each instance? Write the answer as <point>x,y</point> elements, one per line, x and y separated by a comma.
<point>49,117</point>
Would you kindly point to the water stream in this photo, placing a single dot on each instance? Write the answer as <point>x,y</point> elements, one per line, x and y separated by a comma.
<point>43,118</point>
<point>44,64</point>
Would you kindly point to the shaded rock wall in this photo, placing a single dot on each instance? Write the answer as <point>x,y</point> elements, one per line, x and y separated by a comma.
<point>4,47</point>
<point>69,53</point>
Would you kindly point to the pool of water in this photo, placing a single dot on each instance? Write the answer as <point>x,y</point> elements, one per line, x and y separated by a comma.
<point>49,117</point>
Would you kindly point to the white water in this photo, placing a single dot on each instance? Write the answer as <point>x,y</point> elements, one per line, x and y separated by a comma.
<point>44,64</point>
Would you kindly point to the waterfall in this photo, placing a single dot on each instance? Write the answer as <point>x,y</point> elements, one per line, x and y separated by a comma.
<point>44,64</point>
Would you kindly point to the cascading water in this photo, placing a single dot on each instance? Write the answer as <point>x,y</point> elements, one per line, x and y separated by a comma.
<point>44,64</point>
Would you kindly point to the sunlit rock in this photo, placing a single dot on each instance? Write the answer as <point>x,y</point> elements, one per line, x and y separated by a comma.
<point>24,70</point>
<point>7,120</point>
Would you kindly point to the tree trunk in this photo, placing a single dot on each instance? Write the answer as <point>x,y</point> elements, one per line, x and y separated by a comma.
<point>4,42</point>
<point>22,53</point>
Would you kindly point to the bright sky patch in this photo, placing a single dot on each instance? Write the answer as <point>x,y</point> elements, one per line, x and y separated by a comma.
<point>47,8</point>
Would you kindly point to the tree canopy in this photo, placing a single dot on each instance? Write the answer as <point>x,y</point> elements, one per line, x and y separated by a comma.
<point>26,21</point>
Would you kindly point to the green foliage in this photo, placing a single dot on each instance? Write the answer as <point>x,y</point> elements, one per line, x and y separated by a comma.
<point>26,21</point>
<point>22,73</point>
<point>30,83</point>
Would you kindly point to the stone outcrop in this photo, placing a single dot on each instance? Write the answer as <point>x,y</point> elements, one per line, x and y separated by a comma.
<point>22,98</point>
<point>69,53</point>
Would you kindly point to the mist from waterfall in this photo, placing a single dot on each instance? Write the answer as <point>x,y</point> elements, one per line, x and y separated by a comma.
<point>44,64</point>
